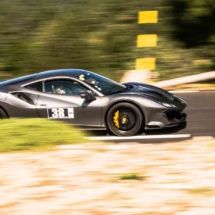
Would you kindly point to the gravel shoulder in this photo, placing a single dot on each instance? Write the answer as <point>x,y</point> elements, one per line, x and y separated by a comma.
<point>106,178</point>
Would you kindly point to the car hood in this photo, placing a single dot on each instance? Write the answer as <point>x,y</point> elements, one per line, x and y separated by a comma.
<point>155,93</point>
<point>150,90</point>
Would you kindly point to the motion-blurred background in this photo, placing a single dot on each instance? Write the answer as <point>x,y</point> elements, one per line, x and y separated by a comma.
<point>101,36</point>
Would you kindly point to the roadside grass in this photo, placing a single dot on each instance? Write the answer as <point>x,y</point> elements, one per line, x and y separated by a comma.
<point>207,191</point>
<point>132,176</point>
<point>36,134</point>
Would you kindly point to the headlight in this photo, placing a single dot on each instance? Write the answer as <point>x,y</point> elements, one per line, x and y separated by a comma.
<point>167,104</point>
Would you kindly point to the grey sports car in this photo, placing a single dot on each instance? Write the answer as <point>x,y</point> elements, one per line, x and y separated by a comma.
<point>90,101</point>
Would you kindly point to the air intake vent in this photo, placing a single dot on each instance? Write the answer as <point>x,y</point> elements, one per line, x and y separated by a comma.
<point>175,115</point>
<point>23,97</point>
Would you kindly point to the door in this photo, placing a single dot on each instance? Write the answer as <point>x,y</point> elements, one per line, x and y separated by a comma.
<point>61,100</point>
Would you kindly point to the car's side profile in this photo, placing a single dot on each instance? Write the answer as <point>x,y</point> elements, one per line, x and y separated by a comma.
<point>92,101</point>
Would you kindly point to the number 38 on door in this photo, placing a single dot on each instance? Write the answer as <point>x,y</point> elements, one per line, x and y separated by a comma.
<point>60,113</point>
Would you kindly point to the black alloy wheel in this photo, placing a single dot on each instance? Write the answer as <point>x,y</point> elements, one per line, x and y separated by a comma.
<point>124,119</point>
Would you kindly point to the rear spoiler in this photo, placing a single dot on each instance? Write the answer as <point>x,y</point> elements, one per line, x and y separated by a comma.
<point>3,80</point>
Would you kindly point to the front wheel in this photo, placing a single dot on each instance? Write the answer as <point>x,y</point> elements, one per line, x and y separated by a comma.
<point>124,119</point>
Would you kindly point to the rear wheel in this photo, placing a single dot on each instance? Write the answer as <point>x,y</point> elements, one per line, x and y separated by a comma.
<point>3,115</point>
<point>124,119</point>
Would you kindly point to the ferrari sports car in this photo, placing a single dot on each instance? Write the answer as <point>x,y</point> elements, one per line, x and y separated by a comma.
<point>90,101</point>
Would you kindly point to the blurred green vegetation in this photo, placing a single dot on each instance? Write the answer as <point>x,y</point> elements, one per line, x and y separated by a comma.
<point>101,36</point>
<point>132,176</point>
<point>36,134</point>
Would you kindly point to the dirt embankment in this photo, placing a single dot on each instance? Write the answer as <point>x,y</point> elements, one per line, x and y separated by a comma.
<point>105,179</point>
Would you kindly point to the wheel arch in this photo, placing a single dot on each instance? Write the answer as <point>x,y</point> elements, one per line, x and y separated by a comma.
<point>4,111</point>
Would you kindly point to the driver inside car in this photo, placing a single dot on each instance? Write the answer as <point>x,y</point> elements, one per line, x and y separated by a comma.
<point>59,89</point>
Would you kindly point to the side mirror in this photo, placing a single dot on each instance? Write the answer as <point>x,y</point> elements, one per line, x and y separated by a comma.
<point>88,96</point>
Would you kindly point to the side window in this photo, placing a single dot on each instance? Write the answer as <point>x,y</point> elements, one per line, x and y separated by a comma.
<point>64,87</point>
<point>38,86</point>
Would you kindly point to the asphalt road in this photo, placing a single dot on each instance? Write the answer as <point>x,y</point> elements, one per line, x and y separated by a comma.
<point>200,113</point>
<point>200,121</point>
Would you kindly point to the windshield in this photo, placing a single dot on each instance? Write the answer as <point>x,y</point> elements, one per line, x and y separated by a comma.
<point>102,84</point>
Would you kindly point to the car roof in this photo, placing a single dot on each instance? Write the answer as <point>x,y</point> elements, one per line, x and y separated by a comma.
<point>75,73</point>
<point>59,72</point>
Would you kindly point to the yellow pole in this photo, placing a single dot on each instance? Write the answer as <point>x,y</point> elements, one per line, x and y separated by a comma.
<point>147,40</point>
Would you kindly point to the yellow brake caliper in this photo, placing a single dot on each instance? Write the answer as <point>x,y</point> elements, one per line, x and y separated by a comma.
<point>116,119</point>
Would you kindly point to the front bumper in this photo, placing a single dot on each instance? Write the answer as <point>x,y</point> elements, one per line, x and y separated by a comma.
<point>167,119</point>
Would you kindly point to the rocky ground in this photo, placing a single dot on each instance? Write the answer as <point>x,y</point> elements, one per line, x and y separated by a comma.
<point>107,178</point>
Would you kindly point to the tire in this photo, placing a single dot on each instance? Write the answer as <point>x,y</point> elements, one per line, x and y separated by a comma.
<point>124,119</point>
<point>3,115</point>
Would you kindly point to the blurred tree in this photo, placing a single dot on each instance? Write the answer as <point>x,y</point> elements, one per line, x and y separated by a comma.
<point>193,21</point>
<point>93,35</point>
<point>101,36</point>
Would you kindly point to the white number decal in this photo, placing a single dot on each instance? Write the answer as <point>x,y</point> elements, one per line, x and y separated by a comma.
<point>54,113</point>
<point>70,113</point>
<point>60,113</point>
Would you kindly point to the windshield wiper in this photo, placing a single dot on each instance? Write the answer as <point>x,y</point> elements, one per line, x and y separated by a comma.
<point>128,87</point>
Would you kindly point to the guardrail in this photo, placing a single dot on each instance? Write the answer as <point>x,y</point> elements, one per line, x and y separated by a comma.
<point>186,80</point>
